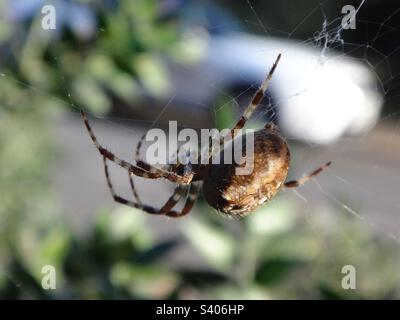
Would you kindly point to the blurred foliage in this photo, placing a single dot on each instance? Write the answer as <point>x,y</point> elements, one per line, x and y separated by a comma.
<point>120,55</point>
<point>274,253</point>
<point>280,253</point>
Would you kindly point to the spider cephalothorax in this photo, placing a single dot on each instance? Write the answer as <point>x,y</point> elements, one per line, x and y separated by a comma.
<point>225,190</point>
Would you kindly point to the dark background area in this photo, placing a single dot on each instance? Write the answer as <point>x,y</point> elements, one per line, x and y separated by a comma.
<point>56,209</point>
<point>375,39</point>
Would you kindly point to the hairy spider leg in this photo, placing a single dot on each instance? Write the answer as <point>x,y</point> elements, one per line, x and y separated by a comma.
<point>251,107</point>
<point>134,192</point>
<point>301,181</point>
<point>146,171</point>
<point>171,202</point>
<point>256,100</point>
<point>190,173</point>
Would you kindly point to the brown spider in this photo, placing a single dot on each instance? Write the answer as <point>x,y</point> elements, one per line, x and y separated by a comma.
<point>234,195</point>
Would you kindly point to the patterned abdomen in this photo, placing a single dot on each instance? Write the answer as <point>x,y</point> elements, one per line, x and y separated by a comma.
<point>238,195</point>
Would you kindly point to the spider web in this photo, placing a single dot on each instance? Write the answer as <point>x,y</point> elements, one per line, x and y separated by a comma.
<point>368,174</point>
<point>369,199</point>
<point>372,204</point>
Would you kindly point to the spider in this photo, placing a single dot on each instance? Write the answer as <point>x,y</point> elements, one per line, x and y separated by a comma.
<point>228,193</point>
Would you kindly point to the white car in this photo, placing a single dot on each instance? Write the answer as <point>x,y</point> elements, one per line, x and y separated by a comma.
<point>318,98</point>
<point>319,95</point>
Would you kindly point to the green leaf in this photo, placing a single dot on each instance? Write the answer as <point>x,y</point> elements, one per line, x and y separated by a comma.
<point>152,74</point>
<point>130,223</point>
<point>271,272</point>
<point>275,217</point>
<point>215,245</point>
<point>145,281</point>
<point>90,95</point>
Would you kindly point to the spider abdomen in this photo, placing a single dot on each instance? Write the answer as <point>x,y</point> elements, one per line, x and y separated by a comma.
<point>238,195</point>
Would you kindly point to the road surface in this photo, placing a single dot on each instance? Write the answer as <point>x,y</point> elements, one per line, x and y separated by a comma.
<point>363,180</point>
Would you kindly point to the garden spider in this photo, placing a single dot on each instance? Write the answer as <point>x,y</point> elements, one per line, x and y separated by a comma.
<point>231,194</point>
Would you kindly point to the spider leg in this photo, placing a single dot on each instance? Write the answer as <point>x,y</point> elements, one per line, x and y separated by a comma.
<point>140,163</point>
<point>186,178</point>
<point>190,201</point>
<point>170,168</point>
<point>138,148</point>
<point>134,192</point>
<point>178,192</point>
<point>130,174</point>
<point>166,209</point>
<point>251,107</point>
<point>151,173</point>
<point>255,101</point>
<point>301,181</point>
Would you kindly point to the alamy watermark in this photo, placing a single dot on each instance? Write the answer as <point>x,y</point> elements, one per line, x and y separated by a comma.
<point>349,20</point>
<point>49,19</point>
<point>203,149</point>
<point>49,278</point>
<point>349,280</point>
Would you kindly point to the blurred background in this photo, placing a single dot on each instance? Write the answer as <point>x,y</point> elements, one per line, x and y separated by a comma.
<point>134,65</point>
